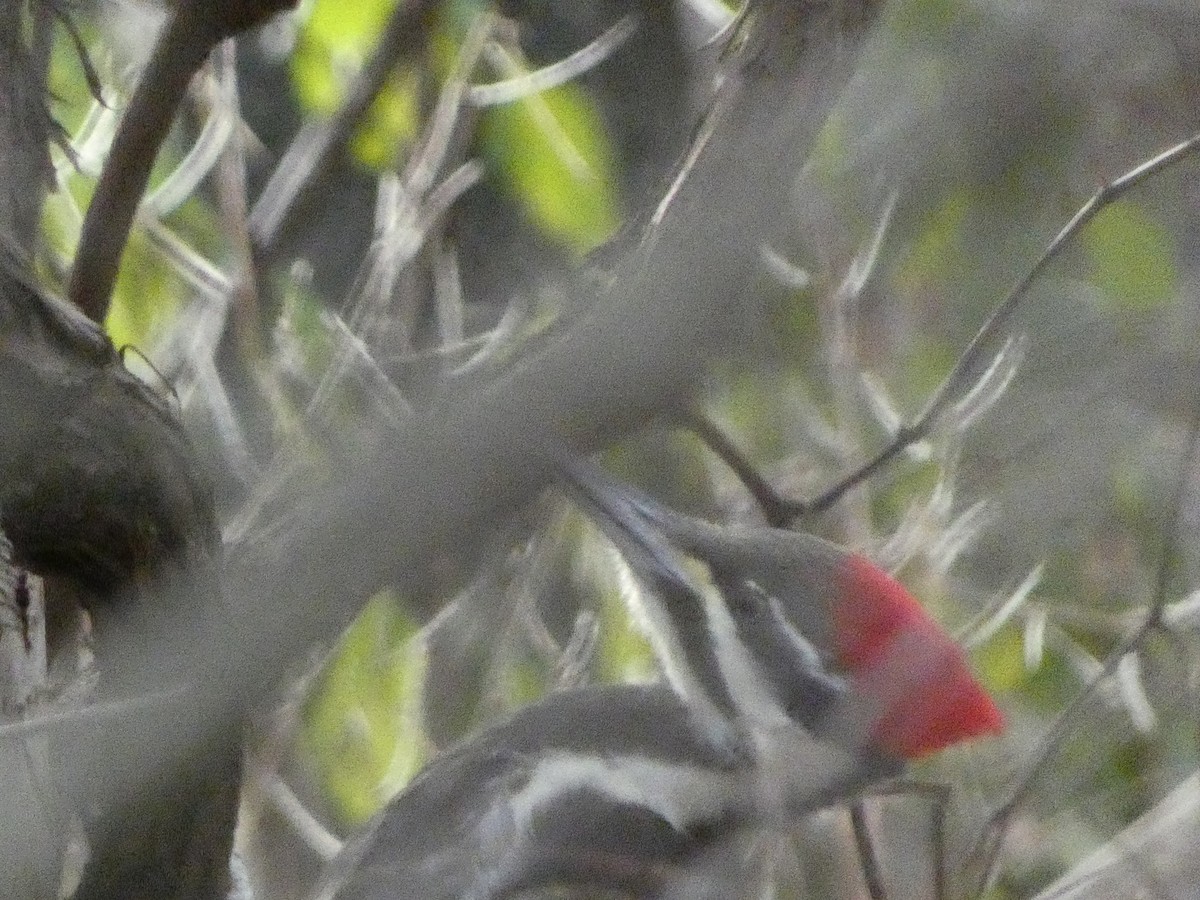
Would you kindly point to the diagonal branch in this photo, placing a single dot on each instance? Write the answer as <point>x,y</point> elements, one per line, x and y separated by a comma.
<point>966,368</point>
<point>646,342</point>
<point>193,30</point>
<point>447,472</point>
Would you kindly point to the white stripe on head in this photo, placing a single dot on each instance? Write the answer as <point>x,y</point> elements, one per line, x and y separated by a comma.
<point>654,622</point>
<point>756,703</point>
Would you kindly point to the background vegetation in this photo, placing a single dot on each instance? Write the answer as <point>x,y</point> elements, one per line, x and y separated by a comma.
<point>432,241</point>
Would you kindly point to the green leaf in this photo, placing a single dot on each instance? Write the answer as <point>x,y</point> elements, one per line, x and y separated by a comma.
<point>1001,661</point>
<point>1133,256</point>
<point>359,729</point>
<point>145,297</point>
<point>389,124</point>
<point>552,152</point>
<point>333,44</point>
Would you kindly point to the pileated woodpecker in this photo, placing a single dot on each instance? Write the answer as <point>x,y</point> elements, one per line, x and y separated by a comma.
<point>783,610</point>
<point>797,674</point>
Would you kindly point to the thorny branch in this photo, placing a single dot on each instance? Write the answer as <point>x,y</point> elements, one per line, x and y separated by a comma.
<point>431,480</point>
<point>780,511</point>
<point>448,471</point>
<point>956,383</point>
<point>986,853</point>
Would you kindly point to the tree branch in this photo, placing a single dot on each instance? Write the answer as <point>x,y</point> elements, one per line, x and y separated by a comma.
<point>646,342</point>
<point>450,470</point>
<point>193,30</point>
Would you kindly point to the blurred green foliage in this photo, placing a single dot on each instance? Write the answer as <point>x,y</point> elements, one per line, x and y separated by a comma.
<point>334,42</point>
<point>335,39</point>
<point>150,289</point>
<point>142,299</point>
<point>550,151</point>
<point>553,155</point>
<point>363,724</point>
<point>1133,255</point>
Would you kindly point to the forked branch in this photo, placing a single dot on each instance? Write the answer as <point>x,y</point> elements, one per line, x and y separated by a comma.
<point>955,387</point>
<point>957,384</point>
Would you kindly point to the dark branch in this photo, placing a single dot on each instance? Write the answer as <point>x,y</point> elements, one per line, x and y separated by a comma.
<point>193,30</point>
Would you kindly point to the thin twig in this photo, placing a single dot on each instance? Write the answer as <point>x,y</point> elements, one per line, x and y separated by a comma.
<point>872,871</point>
<point>318,143</point>
<point>233,204</point>
<point>299,817</point>
<point>988,846</point>
<point>518,87</point>
<point>960,376</point>
<point>191,32</point>
<point>91,715</point>
<point>939,797</point>
<point>437,140</point>
<point>990,843</point>
<point>775,508</point>
<point>941,806</point>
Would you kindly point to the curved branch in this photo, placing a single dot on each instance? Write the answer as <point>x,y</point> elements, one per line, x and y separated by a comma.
<point>194,29</point>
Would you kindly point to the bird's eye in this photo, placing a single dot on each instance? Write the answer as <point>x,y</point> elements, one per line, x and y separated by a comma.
<point>745,600</point>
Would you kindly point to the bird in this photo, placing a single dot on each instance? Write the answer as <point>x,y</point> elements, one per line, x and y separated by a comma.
<point>796,615</point>
<point>774,704</point>
<point>617,787</point>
